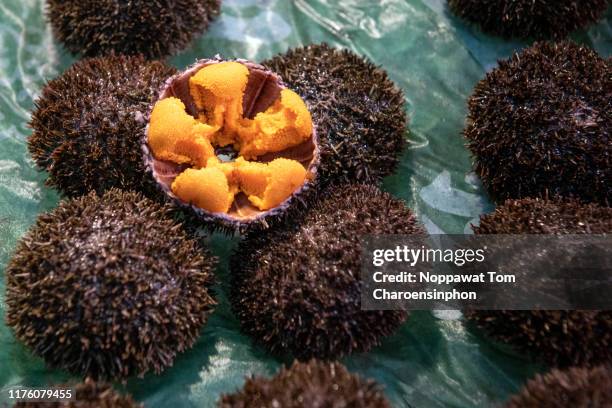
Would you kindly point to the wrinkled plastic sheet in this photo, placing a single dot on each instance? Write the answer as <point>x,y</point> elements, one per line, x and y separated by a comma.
<point>435,360</point>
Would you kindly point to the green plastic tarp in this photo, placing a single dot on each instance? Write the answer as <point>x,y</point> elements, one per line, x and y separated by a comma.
<point>434,360</point>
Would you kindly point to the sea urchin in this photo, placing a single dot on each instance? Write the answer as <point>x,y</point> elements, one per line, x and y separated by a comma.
<point>359,112</point>
<point>573,387</point>
<point>297,288</point>
<point>541,19</point>
<point>153,28</point>
<point>557,337</point>
<point>311,384</point>
<point>108,287</point>
<point>89,121</point>
<point>539,124</point>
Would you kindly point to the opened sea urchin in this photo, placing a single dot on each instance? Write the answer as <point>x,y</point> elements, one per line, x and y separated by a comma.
<point>88,394</point>
<point>230,141</point>
<point>359,112</point>
<point>296,289</point>
<point>539,124</point>
<point>311,384</point>
<point>559,338</point>
<point>574,387</point>
<point>153,28</point>
<point>541,19</point>
<point>88,124</point>
<point>108,287</point>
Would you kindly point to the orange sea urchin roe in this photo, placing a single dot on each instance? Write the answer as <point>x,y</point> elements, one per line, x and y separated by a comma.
<point>286,123</point>
<point>218,91</point>
<point>252,177</point>
<point>176,136</point>
<point>206,188</point>
<point>268,185</point>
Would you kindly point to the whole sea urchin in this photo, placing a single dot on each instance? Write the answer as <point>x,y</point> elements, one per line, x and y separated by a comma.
<point>574,387</point>
<point>88,394</point>
<point>89,121</point>
<point>559,338</point>
<point>108,287</point>
<point>297,289</point>
<point>153,28</point>
<point>229,141</point>
<point>312,384</point>
<point>541,19</point>
<point>359,112</point>
<point>542,216</point>
<point>539,124</point>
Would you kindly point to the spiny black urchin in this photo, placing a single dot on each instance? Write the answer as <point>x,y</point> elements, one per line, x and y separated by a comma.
<point>88,124</point>
<point>558,338</point>
<point>542,216</point>
<point>574,387</point>
<point>296,289</point>
<point>540,19</point>
<point>311,384</point>
<point>153,28</point>
<point>539,124</point>
<point>88,394</point>
<point>359,113</point>
<point>108,287</point>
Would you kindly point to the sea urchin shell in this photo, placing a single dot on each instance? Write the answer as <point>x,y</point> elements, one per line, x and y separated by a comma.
<point>542,19</point>
<point>559,338</point>
<point>539,124</point>
<point>108,287</point>
<point>297,288</point>
<point>311,384</point>
<point>230,142</point>
<point>88,124</point>
<point>153,28</point>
